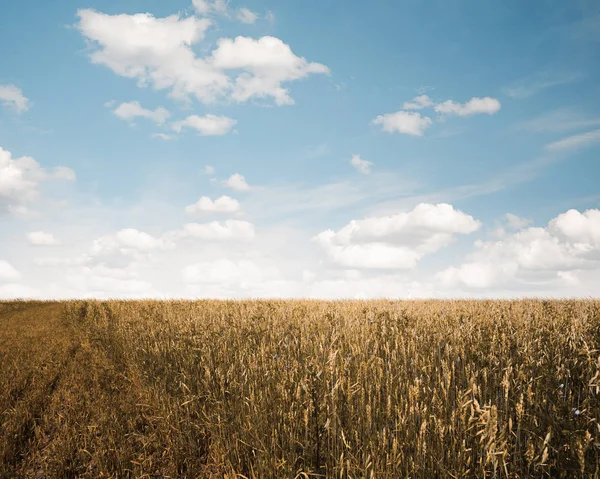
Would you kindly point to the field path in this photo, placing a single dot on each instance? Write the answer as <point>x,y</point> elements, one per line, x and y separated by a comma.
<point>58,392</point>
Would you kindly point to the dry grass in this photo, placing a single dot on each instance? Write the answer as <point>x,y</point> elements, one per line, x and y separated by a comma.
<point>299,389</point>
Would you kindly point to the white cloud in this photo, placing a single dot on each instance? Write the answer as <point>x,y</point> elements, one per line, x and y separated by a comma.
<point>540,81</point>
<point>412,123</point>
<point>408,123</point>
<point>61,173</point>
<point>12,96</point>
<point>51,261</point>
<point>308,276</point>
<point>559,121</point>
<point>575,141</point>
<point>245,15</point>
<point>270,17</point>
<point>162,136</point>
<point>398,241</point>
<point>473,275</point>
<point>578,227</point>
<point>223,204</point>
<point>209,170</point>
<point>13,290</point>
<point>474,106</point>
<point>20,178</point>
<point>223,271</point>
<point>533,256</point>
<point>7,271</point>
<point>207,125</point>
<point>204,7</point>
<point>41,238</point>
<point>267,63</point>
<point>569,278</point>
<point>100,281</point>
<point>118,250</point>
<point>215,231</point>
<point>237,182</point>
<point>516,222</point>
<point>126,239</point>
<point>132,110</point>
<point>362,166</point>
<point>155,51</point>
<point>159,52</point>
<point>418,103</point>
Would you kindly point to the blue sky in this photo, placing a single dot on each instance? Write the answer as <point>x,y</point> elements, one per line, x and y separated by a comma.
<point>340,149</point>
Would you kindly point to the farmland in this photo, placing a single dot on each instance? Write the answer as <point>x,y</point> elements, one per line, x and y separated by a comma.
<point>300,389</point>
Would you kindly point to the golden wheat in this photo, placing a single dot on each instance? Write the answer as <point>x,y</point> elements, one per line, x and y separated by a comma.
<point>292,389</point>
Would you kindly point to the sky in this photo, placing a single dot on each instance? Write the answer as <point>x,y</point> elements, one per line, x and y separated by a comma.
<point>261,148</point>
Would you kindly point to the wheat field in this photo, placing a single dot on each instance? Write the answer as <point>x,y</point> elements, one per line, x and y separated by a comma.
<point>300,389</point>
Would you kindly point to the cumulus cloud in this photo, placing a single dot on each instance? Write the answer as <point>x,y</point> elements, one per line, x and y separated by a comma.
<point>41,238</point>
<point>207,125</point>
<point>159,52</point>
<point>232,230</point>
<point>51,261</point>
<point>582,228</point>
<point>11,96</point>
<point>20,179</point>
<point>132,110</point>
<point>362,166</point>
<point>162,136</point>
<point>308,276</point>
<point>413,123</point>
<point>118,250</point>
<point>209,170</point>
<point>8,271</point>
<point>223,271</point>
<point>126,239</point>
<point>246,15</point>
<point>418,103</point>
<point>267,63</point>
<point>237,182</point>
<point>408,123</point>
<point>14,290</point>
<point>574,142</point>
<point>554,254</point>
<point>223,204</point>
<point>204,7</point>
<point>397,241</point>
<point>100,281</point>
<point>61,173</point>
<point>516,222</point>
<point>474,106</point>
<point>473,275</point>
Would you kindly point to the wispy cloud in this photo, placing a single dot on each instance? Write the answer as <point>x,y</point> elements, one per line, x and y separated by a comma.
<point>317,151</point>
<point>497,181</point>
<point>245,15</point>
<point>362,166</point>
<point>587,29</point>
<point>162,136</point>
<point>536,83</point>
<point>12,96</point>
<point>575,141</point>
<point>292,200</point>
<point>559,121</point>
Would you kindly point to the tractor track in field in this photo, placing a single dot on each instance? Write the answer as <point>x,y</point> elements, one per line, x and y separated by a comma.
<point>24,406</point>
